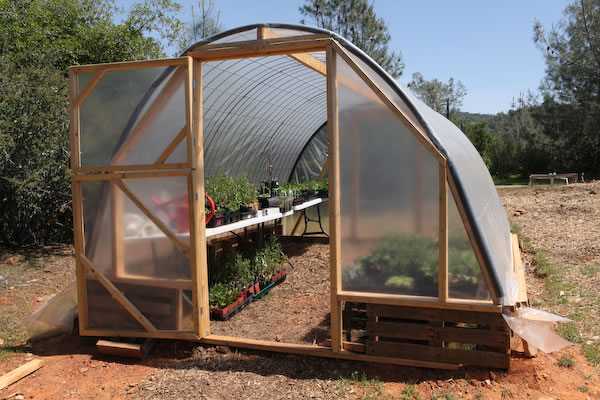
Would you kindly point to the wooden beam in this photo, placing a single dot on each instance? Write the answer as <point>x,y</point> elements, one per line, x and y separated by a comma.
<point>310,61</point>
<point>197,216</point>
<point>79,246</point>
<point>416,131</point>
<point>124,168</point>
<point>319,351</point>
<point>118,295</point>
<point>182,247</point>
<point>443,236</point>
<point>419,301</point>
<point>335,252</point>
<point>159,334</point>
<point>117,66</point>
<point>120,349</point>
<point>20,372</point>
<point>262,48</point>
<point>117,227</point>
<point>146,120</point>
<point>518,270</point>
<point>472,239</point>
<point>129,175</point>
<point>172,146</point>
<point>88,88</point>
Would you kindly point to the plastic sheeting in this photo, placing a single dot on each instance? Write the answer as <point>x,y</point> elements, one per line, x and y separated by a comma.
<point>260,112</point>
<point>535,326</point>
<point>389,217</point>
<point>56,316</point>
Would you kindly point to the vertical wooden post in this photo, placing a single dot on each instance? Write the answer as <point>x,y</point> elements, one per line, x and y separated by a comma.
<point>78,234</point>
<point>443,236</point>
<point>196,201</point>
<point>117,230</point>
<point>335,260</point>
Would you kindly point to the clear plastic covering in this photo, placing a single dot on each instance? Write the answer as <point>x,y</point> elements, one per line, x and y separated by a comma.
<point>488,218</point>
<point>535,326</point>
<point>259,111</point>
<point>389,217</point>
<point>249,34</point>
<point>135,255</point>
<point>131,116</point>
<point>313,157</point>
<point>465,280</point>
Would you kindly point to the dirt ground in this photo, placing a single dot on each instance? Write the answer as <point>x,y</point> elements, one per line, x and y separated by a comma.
<point>296,311</point>
<point>563,221</point>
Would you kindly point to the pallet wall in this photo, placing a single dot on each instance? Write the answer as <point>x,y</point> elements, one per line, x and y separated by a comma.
<point>464,337</point>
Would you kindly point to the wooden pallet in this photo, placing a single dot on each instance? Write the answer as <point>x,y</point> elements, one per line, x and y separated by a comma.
<point>469,338</point>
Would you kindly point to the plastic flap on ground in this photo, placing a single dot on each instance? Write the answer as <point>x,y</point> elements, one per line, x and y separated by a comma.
<point>56,316</point>
<point>535,327</point>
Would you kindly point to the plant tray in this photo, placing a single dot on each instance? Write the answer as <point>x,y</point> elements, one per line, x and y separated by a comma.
<point>223,314</point>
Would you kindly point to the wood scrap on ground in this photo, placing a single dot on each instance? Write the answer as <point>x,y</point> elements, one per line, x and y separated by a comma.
<point>20,372</point>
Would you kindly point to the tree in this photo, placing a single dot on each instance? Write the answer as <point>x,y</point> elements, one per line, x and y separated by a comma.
<point>481,139</point>
<point>356,21</point>
<point>572,84</point>
<point>436,93</point>
<point>38,41</point>
<point>207,25</point>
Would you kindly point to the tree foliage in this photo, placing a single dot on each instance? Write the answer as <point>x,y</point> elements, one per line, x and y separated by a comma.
<point>38,41</point>
<point>436,94</point>
<point>356,21</point>
<point>572,85</point>
<point>207,24</point>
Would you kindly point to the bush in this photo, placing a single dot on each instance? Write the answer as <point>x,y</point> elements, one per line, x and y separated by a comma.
<point>35,187</point>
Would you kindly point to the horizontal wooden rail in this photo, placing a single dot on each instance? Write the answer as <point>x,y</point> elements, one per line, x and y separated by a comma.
<point>116,66</point>
<point>419,301</point>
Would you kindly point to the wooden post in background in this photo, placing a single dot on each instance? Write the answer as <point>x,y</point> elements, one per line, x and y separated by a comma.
<point>196,201</point>
<point>443,236</point>
<point>117,227</point>
<point>335,256</point>
<point>78,234</point>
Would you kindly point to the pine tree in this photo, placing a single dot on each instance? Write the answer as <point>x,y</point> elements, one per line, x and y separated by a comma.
<point>356,21</point>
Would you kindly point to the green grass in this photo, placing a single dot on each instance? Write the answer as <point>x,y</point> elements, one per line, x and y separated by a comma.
<point>566,362</point>
<point>372,388</point>
<point>410,393</point>
<point>511,180</point>
<point>569,331</point>
<point>479,395</point>
<point>589,270</point>
<point>583,389</point>
<point>506,393</point>
<point>591,353</point>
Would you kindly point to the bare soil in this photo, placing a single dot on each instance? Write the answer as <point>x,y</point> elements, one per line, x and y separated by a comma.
<point>561,220</point>
<point>297,310</point>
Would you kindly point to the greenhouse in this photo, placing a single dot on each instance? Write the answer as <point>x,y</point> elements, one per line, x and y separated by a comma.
<point>209,189</point>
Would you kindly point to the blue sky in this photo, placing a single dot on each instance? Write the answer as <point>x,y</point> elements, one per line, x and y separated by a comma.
<point>488,45</point>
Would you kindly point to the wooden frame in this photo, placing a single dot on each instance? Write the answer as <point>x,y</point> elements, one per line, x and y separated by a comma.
<point>189,73</point>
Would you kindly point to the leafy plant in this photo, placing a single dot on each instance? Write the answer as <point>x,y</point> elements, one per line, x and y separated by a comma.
<point>221,295</point>
<point>566,362</point>
<point>230,194</point>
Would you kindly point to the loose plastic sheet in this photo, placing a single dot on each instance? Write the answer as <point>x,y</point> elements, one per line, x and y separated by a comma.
<point>535,326</point>
<point>55,316</point>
